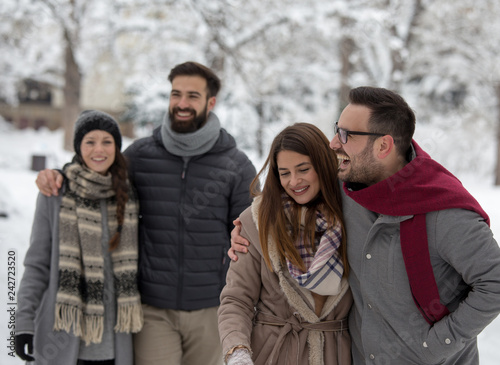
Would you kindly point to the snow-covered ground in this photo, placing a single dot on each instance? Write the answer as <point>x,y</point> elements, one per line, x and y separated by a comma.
<point>17,200</point>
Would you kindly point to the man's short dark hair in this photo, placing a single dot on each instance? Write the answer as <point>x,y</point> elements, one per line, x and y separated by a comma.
<point>390,114</point>
<point>191,68</point>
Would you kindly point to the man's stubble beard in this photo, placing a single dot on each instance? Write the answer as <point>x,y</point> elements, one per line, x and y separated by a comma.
<point>365,169</point>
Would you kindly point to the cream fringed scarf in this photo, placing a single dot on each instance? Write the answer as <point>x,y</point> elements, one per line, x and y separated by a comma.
<point>79,301</point>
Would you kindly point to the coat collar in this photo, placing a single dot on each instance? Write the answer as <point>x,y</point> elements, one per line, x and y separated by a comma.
<point>299,298</point>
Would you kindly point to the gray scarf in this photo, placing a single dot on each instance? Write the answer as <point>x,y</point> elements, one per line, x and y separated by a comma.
<point>191,144</point>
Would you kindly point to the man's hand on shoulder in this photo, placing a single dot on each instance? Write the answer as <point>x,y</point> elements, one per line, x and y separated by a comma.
<point>49,182</point>
<point>238,243</point>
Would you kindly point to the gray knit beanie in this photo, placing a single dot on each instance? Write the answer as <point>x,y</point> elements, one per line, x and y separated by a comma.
<point>90,120</point>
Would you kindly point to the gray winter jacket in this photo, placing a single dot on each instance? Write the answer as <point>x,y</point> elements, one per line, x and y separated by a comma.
<point>37,296</point>
<point>385,324</point>
<point>186,213</point>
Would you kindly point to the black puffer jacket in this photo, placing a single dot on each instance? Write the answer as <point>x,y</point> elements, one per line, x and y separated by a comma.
<point>186,214</point>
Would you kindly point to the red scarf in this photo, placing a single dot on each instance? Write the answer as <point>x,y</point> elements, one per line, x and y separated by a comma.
<point>422,186</point>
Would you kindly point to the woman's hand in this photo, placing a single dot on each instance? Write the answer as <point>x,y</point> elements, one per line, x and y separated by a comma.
<point>240,357</point>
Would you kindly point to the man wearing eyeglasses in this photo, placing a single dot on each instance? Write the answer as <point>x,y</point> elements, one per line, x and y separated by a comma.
<point>364,166</point>
<point>424,266</point>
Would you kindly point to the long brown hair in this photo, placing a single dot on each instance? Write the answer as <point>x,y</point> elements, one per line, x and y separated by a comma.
<point>308,140</point>
<point>118,172</point>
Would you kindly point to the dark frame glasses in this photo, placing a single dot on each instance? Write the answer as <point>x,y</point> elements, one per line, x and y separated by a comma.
<point>343,133</point>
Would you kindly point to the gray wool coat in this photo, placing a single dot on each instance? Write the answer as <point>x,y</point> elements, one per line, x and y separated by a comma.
<point>270,314</point>
<point>385,324</point>
<point>37,294</point>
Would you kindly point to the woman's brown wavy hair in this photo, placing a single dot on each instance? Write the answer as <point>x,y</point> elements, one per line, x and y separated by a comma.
<point>308,140</point>
<point>118,172</point>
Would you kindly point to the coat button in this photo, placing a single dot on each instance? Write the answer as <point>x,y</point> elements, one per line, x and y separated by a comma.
<point>368,256</point>
<point>447,341</point>
<point>372,356</point>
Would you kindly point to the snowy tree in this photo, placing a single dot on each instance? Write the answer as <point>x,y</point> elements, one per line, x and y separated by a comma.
<point>57,42</point>
<point>271,70</point>
<point>27,51</point>
<point>376,37</point>
<point>280,62</point>
<point>454,77</point>
<point>60,42</point>
<point>278,75</point>
<point>150,39</point>
<point>440,55</point>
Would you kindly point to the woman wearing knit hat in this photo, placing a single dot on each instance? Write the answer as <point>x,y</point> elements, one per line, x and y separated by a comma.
<point>78,301</point>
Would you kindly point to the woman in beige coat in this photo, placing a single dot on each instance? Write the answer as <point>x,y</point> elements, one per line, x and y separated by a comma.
<point>287,301</point>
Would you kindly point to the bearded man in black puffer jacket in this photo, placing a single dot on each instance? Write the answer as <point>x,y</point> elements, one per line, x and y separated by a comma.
<point>192,182</point>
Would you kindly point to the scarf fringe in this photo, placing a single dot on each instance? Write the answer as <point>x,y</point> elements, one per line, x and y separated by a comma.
<point>94,327</point>
<point>68,316</point>
<point>129,318</point>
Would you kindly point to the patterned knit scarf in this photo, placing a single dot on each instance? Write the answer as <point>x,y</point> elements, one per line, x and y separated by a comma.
<point>324,267</point>
<point>79,300</point>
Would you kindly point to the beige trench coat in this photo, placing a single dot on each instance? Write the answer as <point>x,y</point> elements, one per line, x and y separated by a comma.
<point>270,314</point>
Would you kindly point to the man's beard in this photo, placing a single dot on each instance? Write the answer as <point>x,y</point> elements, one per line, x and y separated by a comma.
<point>364,168</point>
<point>187,126</point>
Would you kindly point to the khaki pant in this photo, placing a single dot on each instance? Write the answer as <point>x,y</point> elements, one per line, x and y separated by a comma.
<point>173,337</point>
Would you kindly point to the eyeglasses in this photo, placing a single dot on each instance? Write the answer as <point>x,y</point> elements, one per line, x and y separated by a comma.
<point>343,133</point>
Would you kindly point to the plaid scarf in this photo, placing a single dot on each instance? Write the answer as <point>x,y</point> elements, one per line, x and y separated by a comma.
<point>324,267</point>
<point>79,300</point>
